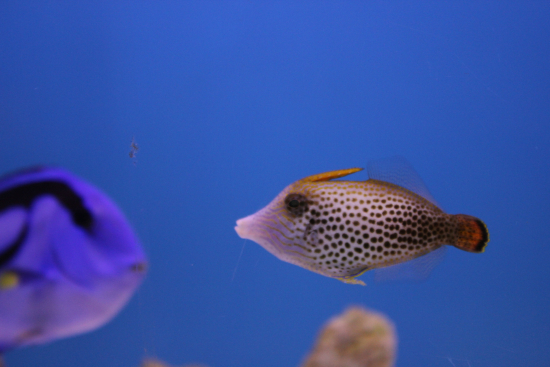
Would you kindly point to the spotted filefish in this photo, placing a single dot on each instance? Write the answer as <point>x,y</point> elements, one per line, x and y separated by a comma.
<point>69,260</point>
<point>341,229</point>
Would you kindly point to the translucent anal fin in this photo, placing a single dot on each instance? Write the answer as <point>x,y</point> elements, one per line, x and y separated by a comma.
<point>415,270</point>
<point>398,171</point>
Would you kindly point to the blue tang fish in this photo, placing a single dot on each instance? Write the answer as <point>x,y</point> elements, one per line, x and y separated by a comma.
<point>69,260</point>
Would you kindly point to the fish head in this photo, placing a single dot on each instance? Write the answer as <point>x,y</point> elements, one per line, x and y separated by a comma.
<point>291,227</point>
<point>280,227</point>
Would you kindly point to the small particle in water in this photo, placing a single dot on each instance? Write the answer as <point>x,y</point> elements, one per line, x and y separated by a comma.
<point>133,148</point>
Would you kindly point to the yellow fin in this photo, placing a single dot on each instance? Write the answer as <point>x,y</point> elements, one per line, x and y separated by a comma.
<point>8,280</point>
<point>351,281</point>
<point>331,175</point>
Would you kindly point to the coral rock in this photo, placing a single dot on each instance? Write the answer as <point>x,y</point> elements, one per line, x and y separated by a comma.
<point>357,338</point>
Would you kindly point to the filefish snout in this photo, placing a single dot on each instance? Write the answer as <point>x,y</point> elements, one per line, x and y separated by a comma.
<point>243,227</point>
<point>269,227</point>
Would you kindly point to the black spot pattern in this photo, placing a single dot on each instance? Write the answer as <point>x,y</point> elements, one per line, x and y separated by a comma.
<point>374,226</point>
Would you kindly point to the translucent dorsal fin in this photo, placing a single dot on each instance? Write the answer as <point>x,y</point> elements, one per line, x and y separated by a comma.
<point>397,170</point>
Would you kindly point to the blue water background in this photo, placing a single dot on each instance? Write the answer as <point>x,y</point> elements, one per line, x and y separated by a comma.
<point>230,102</point>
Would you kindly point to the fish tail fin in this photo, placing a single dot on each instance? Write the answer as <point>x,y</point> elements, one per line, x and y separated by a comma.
<point>473,234</point>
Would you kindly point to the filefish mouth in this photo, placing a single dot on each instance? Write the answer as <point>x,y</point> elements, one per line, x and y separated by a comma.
<point>243,227</point>
<point>254,228</point>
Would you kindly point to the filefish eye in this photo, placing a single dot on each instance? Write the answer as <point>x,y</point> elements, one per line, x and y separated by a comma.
<point>296,204</point>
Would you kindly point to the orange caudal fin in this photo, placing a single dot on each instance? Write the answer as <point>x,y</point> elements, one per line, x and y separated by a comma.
<point>473,235</point>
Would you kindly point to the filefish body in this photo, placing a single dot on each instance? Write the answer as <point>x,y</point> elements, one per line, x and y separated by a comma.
<point>342,229</point>
<point>69,260</point>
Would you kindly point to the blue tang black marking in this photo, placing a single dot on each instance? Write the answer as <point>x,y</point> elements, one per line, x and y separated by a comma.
<point>69,260</point>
